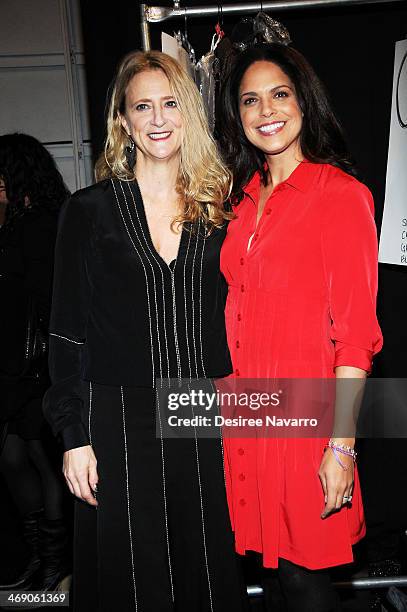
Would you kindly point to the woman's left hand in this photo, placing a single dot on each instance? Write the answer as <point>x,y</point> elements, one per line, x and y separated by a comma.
<point>337,483</point>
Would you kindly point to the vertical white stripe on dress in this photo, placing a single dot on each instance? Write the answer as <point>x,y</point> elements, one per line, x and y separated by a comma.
<point>158,412</point>
<point>128,499</point>
<point>200,306</point>
<point>202,516</point>
<point>198,467</point>
<point>193,297</point>
<point>90,412</point>
<point>185,305</point>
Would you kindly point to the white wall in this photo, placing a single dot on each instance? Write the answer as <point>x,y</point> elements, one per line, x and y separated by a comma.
<point>42,81</point>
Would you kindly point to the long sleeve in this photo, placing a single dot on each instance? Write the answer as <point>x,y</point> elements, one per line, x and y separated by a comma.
<point>63,402</point>
<point>349,247</point>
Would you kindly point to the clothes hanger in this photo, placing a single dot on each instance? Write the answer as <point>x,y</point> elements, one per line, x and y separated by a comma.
<point>219,33</point>
<point>185,42</point>
<point>182,38</point>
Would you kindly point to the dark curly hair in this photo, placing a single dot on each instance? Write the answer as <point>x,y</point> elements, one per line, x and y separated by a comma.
<point>29,170</point>
<point>321,137</point>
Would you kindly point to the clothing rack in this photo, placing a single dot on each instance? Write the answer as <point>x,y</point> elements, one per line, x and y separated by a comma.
<point>157,14</point>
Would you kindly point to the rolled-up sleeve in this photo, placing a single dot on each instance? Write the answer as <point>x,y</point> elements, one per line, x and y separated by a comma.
<point>63,402</point>
<point>349,247</point>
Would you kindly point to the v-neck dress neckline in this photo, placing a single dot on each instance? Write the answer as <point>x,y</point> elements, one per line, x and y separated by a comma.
<point>173,263</point>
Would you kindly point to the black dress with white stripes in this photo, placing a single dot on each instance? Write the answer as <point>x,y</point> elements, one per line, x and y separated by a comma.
<point>121,321</point>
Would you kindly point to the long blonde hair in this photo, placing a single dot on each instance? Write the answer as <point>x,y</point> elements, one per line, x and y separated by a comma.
<point>203,182</point>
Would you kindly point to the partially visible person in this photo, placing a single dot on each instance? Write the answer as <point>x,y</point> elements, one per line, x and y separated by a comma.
<point>300,259</point>
<point>31,194</point>
<point>3,201</point>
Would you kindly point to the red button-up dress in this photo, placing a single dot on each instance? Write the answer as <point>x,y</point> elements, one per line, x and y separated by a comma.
<point>301,302</point>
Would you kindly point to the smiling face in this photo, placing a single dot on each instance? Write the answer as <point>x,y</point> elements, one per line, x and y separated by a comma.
<point>152,117</point>
<point>269,110</point>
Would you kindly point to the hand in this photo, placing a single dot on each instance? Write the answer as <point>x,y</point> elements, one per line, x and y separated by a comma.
<point>79,468</point>
<point>337,483</point>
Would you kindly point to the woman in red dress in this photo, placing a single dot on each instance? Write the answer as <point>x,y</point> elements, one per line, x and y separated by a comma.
<point>300,259</point>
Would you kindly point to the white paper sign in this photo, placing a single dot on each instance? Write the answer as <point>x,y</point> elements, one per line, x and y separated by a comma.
<point>393,238</point>
<point>170,46</point>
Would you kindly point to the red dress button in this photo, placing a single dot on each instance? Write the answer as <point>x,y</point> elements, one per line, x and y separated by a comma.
<point>237,344</point>
<point>242,502</point>
<point>237,372</point>
<point>242,477</point>
<point>268,211</point>
<point>239,317</point>
<point>242,288</point>
<point>240,451</point>
<point>241,261</point>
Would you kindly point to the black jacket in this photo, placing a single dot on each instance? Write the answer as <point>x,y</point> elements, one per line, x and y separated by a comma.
<point>27,245</point>
<point>120,315</point>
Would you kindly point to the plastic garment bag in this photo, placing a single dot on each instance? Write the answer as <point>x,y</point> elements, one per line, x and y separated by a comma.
<point>205,71</point>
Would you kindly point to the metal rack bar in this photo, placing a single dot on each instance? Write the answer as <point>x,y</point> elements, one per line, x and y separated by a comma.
<point>145,28</point>
<point>157,14</point>
<point>356,583</point>
<point>373,583</point>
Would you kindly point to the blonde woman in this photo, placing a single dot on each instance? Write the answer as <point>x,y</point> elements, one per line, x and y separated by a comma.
<point>138,296</point>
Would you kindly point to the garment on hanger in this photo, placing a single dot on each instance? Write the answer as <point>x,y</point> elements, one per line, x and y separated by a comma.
<point>205,78</point>
<point>182,38</point>
<point>202,72</point>
<point>247,32</point>
<point>259,29</point>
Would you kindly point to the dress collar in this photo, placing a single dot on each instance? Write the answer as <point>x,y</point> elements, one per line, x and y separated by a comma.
<point>301,179</point>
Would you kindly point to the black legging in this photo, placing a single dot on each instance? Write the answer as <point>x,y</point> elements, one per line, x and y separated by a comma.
<point>293,588</point>
<point>30,477</point>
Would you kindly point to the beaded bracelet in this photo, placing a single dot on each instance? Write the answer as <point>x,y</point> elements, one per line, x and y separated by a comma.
<point>343,466</point>
<point>342,448</point>
<point>345,450</point>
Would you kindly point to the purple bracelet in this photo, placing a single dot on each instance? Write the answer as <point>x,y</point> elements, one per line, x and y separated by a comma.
<point>334,450</point>
<point>342,448</point>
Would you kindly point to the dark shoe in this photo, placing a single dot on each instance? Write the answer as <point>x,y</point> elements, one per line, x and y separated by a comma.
<point>24,581</point>
<point>54,545</point>
<point>398,599</point>
<point>382,569</point>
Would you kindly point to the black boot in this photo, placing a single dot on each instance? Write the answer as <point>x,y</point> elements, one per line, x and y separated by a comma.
<point>25,579</point>
<point>54,550</point>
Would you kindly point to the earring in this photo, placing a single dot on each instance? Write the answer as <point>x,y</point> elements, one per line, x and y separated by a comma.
<point>130,153</point>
